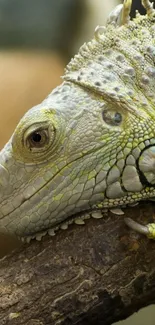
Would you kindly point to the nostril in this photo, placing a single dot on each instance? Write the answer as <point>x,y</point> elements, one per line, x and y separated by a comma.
<point>4,176</point>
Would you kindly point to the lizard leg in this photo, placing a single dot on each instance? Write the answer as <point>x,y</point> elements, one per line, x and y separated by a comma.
<point>148,230</point>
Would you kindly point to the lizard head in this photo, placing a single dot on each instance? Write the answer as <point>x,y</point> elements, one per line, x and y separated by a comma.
<point>91,143</point>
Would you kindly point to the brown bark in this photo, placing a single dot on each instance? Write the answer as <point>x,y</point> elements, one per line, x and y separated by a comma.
<point>93,274</point>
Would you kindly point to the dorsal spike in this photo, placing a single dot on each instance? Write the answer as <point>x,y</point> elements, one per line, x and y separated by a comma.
<point>99,33</point>
<point>148,7</point>
<point>126,12</point>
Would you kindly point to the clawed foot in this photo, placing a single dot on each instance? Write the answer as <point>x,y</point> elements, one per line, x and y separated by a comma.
<point>148,230</point>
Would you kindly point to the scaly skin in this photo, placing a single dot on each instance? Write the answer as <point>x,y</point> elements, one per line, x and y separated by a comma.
<point>91,143</point>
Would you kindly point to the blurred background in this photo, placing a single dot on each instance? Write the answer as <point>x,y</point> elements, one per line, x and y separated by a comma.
<point>37,40</point>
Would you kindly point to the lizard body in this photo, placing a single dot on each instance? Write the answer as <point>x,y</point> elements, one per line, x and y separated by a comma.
<point>91,143</point>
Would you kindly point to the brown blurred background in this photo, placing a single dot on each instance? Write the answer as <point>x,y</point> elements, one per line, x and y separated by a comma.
<point>37,39</point>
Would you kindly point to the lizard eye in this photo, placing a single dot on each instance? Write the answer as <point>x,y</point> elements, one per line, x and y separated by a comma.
<point>111,117</point>
<point>38,139</point>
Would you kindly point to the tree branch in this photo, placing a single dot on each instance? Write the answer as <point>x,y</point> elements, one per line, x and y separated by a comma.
<point>93,274</point>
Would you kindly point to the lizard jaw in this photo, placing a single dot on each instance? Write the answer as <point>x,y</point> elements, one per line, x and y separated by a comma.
<point>79,220</point>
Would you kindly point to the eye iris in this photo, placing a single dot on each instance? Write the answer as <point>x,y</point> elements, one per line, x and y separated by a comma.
<point>38,139</point>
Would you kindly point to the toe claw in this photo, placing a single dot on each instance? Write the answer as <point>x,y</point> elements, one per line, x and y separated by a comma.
<point>148,230</point>
<point>137,226</point>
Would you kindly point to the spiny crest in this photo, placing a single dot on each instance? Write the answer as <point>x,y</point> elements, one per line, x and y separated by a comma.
<point>118,64</point>
<point>119,17</point>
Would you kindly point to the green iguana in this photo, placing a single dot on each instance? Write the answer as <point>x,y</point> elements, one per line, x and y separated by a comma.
<point>91,143</point>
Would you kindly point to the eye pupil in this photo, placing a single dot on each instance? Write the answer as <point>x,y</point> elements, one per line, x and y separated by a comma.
<point>36,137</point>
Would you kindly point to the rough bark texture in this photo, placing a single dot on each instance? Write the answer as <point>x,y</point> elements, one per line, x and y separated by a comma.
<point>93,274</point>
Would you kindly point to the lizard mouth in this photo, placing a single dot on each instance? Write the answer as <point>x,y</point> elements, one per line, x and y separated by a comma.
<point>79,219</point>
